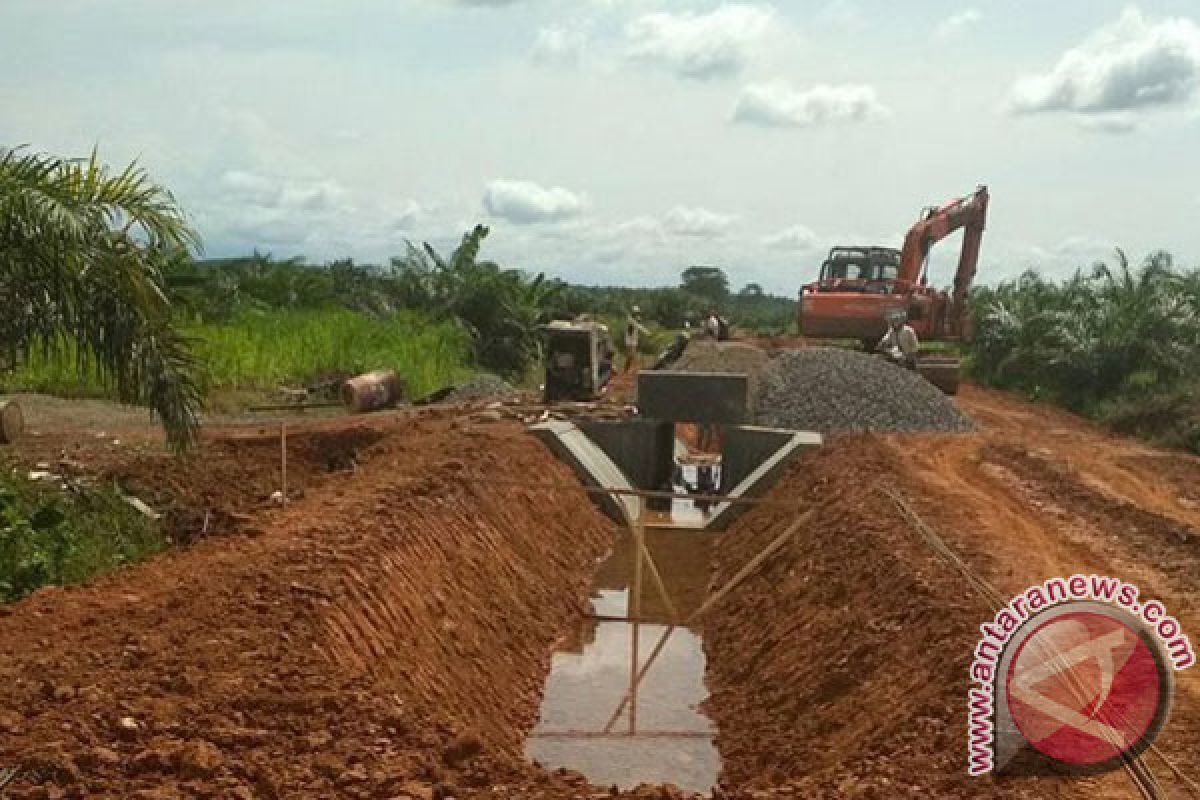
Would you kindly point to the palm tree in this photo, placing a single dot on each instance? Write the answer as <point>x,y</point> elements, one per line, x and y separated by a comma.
<point>82,252</point>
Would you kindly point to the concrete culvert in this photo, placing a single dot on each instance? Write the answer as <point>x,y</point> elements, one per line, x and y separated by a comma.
<point>829,389</point>
<point>709,356</point>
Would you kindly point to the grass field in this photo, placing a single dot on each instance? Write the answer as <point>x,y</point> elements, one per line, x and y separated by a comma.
<point>264,350</point>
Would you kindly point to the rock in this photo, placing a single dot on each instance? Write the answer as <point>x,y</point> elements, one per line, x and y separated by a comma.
<point>151,761</point>
<point>461,750</point>
<point>128,728</point>
<point>11,722</point>
<point>199,759</point>
<point>318,740</point>
<point>102,757</point>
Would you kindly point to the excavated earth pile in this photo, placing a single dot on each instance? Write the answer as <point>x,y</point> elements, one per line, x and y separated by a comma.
<point>839,670</point>
<point>387,637</point>
<point>831,389</point>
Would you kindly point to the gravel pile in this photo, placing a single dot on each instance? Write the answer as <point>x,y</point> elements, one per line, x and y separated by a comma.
<point>830,389</point>
<point>705,355</point>
<point>484,386</point>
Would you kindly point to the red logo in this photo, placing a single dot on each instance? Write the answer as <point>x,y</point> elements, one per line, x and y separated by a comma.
<point>1087,688</point>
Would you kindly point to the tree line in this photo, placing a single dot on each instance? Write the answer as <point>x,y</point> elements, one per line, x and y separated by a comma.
<point>1119,343</point>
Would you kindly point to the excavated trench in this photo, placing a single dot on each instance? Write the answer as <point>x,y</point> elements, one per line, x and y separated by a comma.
<point>593,719</point>
<point>624,700</point>
<point>390,635</point>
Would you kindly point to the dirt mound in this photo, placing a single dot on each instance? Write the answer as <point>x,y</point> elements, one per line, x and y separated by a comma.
<point>344,653</point>
<point>830,389</point>
<point>230,477</point>
<point>705,355</point>
<point>823,681</point>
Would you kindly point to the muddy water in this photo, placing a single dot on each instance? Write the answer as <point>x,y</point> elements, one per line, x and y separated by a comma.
<point>667,739</point>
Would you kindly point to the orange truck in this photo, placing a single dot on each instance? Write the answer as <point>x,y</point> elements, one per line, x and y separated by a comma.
<point>860,287</point>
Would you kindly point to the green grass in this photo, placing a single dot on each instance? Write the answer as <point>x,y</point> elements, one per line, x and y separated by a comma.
<point>49,536</point>
<point>263,350</point>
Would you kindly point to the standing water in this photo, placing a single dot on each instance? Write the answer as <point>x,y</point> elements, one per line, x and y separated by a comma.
<point>591,721</point>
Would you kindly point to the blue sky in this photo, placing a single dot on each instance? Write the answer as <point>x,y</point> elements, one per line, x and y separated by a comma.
<point>618,141</point>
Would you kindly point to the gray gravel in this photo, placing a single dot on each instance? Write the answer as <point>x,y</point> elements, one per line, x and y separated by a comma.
<point>829,389</point>
<point>484,386</point>
<point>705,355</point>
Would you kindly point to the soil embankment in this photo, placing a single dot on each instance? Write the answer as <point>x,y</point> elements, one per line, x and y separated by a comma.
<point>389,633</point>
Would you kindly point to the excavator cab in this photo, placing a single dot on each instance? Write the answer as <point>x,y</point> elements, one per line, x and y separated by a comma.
<point>865,269</point>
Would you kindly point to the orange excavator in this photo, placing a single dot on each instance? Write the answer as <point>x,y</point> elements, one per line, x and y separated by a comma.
<point>860,287</point>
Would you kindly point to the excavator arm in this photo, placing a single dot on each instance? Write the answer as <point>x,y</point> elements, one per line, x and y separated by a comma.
<point>936,224</point>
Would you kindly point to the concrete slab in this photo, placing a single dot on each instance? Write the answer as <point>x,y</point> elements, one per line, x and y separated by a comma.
<point>762,477</point>
<point>704,397</point>
<point>592,465</point>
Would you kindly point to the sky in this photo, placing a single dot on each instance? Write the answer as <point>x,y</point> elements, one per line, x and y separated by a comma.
<point>620,141</point>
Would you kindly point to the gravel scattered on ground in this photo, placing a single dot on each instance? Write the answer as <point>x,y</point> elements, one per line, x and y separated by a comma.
<point>829,389</point>
<point>484,386</point>
<point>705,355</point>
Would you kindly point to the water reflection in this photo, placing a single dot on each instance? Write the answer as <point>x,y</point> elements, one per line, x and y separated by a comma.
<point>660,734</point>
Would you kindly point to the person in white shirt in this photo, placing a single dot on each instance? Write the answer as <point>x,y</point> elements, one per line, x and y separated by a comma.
<point>900,344</point>
<point>633,328</point>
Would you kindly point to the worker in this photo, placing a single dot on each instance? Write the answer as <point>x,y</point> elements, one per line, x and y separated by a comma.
<point>900,344</point>
<point>712,325</point>
<point>633,328</point>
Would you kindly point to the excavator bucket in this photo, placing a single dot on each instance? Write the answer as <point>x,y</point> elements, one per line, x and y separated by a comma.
<point>944,372</point>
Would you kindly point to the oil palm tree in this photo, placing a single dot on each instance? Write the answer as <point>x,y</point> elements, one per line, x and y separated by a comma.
<point>82,251</point>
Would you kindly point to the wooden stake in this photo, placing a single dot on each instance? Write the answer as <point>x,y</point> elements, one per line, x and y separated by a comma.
<point>283,459</point>
<point>750,567</point>
<point>733,583</point>
<point>657,578</point>
<point>635,606</point>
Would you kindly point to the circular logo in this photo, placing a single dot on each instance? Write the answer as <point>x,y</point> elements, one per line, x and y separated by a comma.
<point>1088,687</point>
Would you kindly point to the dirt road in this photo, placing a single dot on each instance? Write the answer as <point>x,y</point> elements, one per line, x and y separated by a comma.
<point>387,634</point>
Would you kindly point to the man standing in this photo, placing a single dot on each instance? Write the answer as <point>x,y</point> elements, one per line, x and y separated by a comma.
<point>900,344</point>
<point>633,328</point>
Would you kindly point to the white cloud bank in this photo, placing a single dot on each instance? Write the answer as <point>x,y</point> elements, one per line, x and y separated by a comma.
<point>525,202</point>
<point>1128,65</point>
<point>700,222</point>
<point>702,46</point>
<point>778,105</point>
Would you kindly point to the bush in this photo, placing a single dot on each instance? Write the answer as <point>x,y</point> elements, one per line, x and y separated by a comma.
<point>52,537</point>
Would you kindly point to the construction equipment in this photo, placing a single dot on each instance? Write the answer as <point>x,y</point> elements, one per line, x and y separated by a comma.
<point>859,287</point>
<point>579,360</point>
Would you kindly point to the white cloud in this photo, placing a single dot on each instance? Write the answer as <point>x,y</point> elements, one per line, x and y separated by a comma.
<point>699,45</point>
<point>797,237</point>
<point>957,23</point>
<point>1128,65</point>
<point>777,105</point>
<point>700,222</point>
<point>284,194</point>
<point>525,202</point>
<point>559,45</point>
